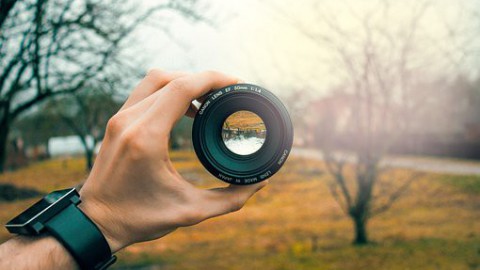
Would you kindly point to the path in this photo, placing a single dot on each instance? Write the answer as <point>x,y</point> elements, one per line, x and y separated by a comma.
<point>427,164</point>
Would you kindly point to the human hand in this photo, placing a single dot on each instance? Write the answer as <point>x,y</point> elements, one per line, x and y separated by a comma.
<point>134,193</point>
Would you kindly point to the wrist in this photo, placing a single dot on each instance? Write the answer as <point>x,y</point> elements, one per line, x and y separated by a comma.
<point>109,228</point>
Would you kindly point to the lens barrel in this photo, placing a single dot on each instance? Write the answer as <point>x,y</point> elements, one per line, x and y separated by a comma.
<point>214,154</point>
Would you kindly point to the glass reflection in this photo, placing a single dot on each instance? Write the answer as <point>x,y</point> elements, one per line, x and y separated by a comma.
<point>244,132</point>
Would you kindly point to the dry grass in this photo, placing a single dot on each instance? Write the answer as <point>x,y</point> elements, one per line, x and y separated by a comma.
<point>244,120</point>
<point>295,224</point>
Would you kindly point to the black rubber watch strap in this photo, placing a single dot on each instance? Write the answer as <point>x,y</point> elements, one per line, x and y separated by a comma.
<point>81,237</point>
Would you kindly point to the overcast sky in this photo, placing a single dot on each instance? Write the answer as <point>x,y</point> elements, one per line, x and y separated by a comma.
<point>260,41</point>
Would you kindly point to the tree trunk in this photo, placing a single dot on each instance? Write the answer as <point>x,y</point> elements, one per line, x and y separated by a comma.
<point>360,224</point>
<point>4,130</point>
<point>89,158</point>
<point>88,152</point>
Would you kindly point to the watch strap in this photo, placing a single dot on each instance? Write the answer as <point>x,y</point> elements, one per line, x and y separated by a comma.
<point>81,237</point>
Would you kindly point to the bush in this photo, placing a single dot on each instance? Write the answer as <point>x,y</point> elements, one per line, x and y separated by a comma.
<point>9,192</point>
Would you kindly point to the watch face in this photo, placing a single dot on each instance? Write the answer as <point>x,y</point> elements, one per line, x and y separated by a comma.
<point>30,221</point>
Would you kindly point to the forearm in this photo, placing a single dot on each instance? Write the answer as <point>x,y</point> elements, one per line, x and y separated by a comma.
<point>39,252</point>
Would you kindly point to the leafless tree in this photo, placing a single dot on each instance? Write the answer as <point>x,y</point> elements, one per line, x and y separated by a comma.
<point>380,62</point>
<point>380,88</point>
<point>86,113</point>
<point>54,47</point>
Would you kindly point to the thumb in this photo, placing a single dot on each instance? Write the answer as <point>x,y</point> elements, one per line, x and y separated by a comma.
<point>220,201</point>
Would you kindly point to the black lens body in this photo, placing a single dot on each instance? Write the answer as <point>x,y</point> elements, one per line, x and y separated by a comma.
<point>227,165</point>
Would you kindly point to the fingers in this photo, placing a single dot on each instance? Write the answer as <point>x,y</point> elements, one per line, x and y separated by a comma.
<point>177,95</point>
<point>222,201</point>
<point>193,109</point>
<point>153,81</point>
<point>199,84</point>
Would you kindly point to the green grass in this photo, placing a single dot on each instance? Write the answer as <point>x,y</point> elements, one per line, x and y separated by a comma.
<point>469,184</point>
<point>426,253</point>
<point>294,223</point>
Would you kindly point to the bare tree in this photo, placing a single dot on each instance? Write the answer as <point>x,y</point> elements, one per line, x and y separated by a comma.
<point>54,47</point>
<point>379,62</point>
<point>379,93</point>
<point>86,113</point>
<point>83,114</point>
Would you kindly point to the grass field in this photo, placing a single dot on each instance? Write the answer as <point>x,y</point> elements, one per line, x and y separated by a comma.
<point>294,223</point>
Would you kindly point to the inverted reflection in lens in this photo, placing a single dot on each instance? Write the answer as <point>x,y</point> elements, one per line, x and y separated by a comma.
<point>244,132</point>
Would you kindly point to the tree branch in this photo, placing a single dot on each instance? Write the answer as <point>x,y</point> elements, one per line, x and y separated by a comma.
<point>395,195</point>
<point>5,7</point>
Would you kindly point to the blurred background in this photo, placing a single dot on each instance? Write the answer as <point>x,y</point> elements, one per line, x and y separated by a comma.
<point>384,96</point>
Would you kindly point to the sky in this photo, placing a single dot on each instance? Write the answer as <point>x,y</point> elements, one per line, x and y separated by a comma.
<point>269,42</point>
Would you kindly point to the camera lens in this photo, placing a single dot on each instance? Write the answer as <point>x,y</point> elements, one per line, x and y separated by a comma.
<point>242,134</point>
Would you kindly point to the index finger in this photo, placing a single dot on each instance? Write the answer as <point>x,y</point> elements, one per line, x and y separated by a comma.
<point>153,81</point>
<point>177,95</point>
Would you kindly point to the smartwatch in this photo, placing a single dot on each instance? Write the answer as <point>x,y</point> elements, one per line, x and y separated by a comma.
<point>57,214</point>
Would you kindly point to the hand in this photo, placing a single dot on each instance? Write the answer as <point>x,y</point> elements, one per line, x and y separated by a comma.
<point>134,193</point>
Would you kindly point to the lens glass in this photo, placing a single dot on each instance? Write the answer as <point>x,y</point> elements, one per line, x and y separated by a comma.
<point>244,132</point>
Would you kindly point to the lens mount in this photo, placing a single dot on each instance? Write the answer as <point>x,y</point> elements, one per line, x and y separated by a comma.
<point>214,154</point>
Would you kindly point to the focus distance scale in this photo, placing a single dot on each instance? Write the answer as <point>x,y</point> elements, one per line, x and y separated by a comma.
<point>242,134</point>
